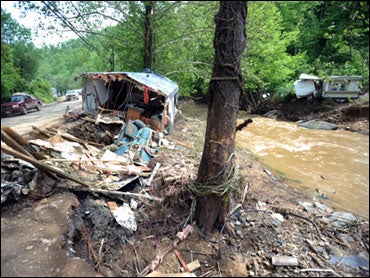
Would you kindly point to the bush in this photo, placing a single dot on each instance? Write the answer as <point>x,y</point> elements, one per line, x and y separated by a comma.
<point>285,93</point>
<point>41,88</point>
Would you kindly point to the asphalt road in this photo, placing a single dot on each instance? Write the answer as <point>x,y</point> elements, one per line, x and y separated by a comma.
<point>49,113</point>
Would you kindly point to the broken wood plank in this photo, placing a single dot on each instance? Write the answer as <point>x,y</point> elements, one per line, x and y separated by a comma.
<point>11,143</point>
<point>194,265</point>
<point>284,260</point>
<point>40,164</point>
<point>18,140</point>
<point>161,274</point>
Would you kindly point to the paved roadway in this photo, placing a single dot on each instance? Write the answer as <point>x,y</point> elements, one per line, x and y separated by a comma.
<point>49,113</point>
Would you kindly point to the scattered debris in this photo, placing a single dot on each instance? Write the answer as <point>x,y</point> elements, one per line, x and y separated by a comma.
<point>134,208</point>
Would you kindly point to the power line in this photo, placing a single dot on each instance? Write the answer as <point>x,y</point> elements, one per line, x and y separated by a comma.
<point>65,21</point>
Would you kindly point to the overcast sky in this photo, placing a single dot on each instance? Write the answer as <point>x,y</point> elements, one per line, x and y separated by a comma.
<point>30,21</point>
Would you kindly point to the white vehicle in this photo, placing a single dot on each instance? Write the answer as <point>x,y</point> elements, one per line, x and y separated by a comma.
<point>73,94</point>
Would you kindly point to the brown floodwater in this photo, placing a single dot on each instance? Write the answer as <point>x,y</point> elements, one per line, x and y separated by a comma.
<point>333,162</point>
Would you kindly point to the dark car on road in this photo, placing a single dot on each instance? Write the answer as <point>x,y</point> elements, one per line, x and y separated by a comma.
<point>19,103</point>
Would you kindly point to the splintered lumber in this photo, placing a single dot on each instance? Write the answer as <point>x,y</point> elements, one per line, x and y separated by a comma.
<point>40,164</point>
<point>17,142</point>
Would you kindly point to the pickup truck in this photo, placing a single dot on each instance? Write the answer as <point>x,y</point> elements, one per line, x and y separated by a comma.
<point>19,103</point>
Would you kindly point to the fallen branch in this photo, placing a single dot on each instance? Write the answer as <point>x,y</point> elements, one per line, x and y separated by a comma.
<point>307,219</point>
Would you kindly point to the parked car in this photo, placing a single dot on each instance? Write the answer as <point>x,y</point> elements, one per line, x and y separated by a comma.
<point>19,103</point>
<point>73,94</point>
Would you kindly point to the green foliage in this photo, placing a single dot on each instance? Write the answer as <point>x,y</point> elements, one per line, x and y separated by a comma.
<point>284,93</point>
<point>266,64</point>
<point>19,58</point>
<point>185,53</point>
<point>11,81</point>
<point>42,89</point>
<point>284,39</point>
<point>333,34</point>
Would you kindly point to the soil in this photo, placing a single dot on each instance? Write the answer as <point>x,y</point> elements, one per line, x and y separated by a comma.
<point>53,231</point>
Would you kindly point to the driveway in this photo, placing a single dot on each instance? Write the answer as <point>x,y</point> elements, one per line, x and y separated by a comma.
<point>49,113</point>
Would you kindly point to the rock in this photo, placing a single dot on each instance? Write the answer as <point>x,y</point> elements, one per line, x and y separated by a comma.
<point>345,216</point>
<point>278,217</point>
<point>273,114</point>
<point>341,219</point>
<point>308,206</point>
<point>315,124</point>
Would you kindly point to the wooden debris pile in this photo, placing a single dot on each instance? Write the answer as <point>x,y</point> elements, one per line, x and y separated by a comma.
<point>88,157</point>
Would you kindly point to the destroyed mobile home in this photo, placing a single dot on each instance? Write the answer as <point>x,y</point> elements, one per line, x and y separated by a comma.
<point>146,96</point>
<point>124,115</point>
<point>339,88</point>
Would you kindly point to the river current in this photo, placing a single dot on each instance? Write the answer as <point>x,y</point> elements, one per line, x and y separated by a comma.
<point>333,164</point>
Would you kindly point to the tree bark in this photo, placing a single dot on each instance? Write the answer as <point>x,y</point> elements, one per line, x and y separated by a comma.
<point>224,91</point>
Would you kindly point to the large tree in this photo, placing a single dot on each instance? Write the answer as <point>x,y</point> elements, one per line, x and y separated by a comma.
<point>217,166</point>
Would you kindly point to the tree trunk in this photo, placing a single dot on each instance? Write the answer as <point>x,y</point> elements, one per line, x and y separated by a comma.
<point>224,90</point>
<point>148,35</point>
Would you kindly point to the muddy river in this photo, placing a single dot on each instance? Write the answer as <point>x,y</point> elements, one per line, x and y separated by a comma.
<point>333,164</point>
